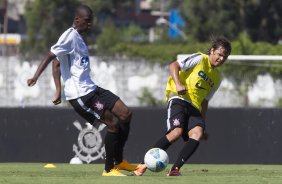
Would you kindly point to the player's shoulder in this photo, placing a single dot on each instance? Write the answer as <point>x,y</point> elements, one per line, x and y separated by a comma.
<point>70,32</point>
<point>200,55</point>
<point>190,61</point>
<point>194,58</point>
<point>67,35</point>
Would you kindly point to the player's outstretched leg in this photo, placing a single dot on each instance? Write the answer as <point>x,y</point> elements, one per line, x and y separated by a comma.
<point>162,143</point>
<point>173,172</point>
<point>111,139</point>
<point>111,142</point>
<point>140,170</point>
<point>122,112</point>
<point>189,148</point>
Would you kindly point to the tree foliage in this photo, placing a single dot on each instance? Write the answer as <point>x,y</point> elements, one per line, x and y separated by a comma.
<point>207,17</point>
<point>46,20</point>
<point>106,9</point>
<point>108,39</point>
<point>240,70</point>
<point>262,20</point>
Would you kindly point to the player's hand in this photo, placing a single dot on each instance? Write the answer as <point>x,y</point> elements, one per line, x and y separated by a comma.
<point>181,89</point>
<point>57,99</point>
<point>31,82</point>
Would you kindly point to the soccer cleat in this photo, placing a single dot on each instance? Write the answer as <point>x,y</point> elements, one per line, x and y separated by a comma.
<point>113,172</point>
<point>174,172</point>
<point>141,169</point>
<point>124,165</point>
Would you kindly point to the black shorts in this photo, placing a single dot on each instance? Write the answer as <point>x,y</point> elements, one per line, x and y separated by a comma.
<point>184,115</point>
<point>92,106</point>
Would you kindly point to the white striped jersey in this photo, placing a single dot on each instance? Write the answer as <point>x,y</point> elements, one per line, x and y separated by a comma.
<point>73,55</point>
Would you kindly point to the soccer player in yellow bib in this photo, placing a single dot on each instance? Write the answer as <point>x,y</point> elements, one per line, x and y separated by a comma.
<point>191,84</point>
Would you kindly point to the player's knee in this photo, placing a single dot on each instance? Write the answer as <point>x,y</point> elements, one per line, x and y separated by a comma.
<point>126,117</point>
<point>112,126</point>
<point>111,121</point>
<point>196,133</point>
<point>174,134</point>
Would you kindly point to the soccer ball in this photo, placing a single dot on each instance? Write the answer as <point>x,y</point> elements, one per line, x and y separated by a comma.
<point>76,160</point>
<point>156,159</point>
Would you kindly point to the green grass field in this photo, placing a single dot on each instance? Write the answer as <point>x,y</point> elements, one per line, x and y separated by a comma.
<point>35,173</point>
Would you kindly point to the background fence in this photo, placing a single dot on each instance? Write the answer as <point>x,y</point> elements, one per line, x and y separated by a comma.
<point>236,136</point>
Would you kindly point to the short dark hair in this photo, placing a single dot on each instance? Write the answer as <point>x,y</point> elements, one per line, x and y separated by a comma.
<point>220,41</point>
<point>81,8</point>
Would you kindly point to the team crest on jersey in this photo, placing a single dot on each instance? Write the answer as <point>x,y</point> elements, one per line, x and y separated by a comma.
<point>176,122</point>
<point>84,60</point>
<point>99,105</point>
<point>90,145</point>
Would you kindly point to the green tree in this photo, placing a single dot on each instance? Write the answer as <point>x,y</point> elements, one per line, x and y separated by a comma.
<point>262,20</point>
<point>134,33</point>
<point>46,20</point>
<point>106,9</point>
<point>207,17</point>
<point>109,37</point>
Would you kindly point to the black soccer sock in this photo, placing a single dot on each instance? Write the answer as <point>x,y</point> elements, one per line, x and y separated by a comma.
<point>111,141</point>
<point>123,136</point>
<point>162,143</point>
<point>124,129</point>
<point>187,151</point>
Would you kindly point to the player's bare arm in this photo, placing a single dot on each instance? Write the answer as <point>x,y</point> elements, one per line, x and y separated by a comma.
<point>57,80</point>
<point>32,81</point>
<point>174,69</point>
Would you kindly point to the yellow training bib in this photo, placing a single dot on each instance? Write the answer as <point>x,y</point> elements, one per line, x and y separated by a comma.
<point>199,80</point>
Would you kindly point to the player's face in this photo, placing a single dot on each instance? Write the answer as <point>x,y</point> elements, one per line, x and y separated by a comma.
<point>218,56</point>
<point>84,22</point>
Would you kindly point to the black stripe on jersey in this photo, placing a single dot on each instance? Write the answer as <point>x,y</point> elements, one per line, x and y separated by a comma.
<point>191,57</point>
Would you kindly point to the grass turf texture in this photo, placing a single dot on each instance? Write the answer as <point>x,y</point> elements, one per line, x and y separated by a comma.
<point>35,173</point>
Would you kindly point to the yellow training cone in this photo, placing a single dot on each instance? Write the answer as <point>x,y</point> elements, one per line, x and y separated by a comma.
<point>49,166</point>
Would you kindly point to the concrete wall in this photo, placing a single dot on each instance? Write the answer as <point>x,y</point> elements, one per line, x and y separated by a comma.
<point>236,136</point>
<point>126,78</point>
<point>123,77</point>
